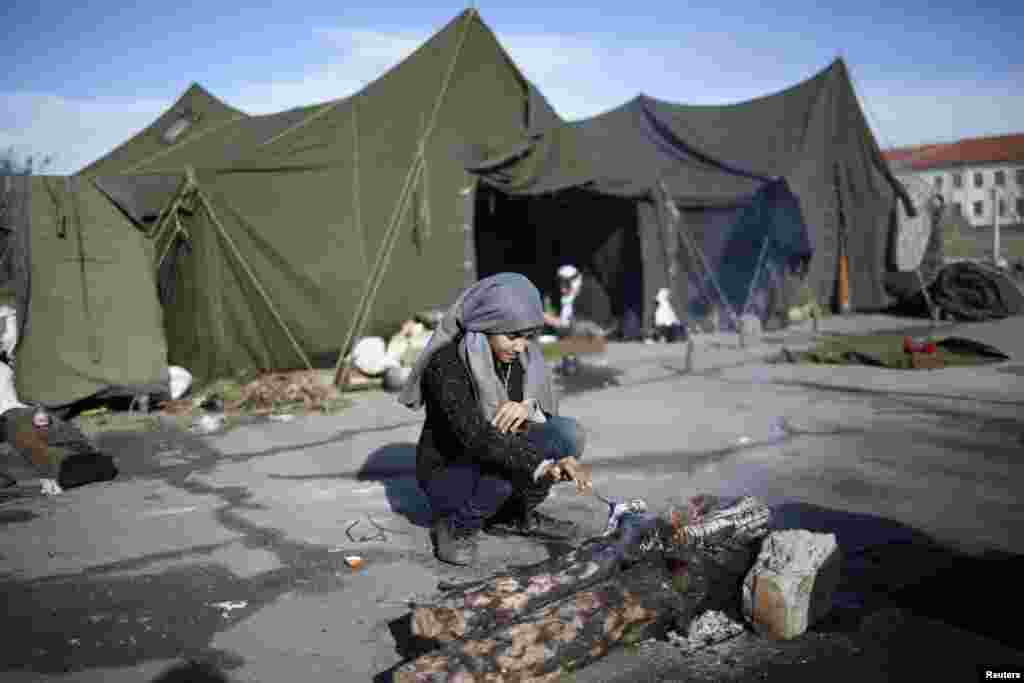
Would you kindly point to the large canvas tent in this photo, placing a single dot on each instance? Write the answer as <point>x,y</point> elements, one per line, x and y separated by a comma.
<point>149,187</point>
<point>195,115</point>
<point>676,172</point>
<point>267,259</point>
<point>78,274</point>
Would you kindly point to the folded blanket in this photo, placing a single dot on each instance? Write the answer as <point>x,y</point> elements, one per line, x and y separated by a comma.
<point>973,292</point>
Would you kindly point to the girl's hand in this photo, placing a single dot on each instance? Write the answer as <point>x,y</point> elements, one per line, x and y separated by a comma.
<point>510,416</point>
<point>573,470</point>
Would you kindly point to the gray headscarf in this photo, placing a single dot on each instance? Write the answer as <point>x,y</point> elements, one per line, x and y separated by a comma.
<point>502,303</point>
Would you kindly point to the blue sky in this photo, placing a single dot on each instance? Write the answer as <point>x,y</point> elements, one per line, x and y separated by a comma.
<point>77,81</point>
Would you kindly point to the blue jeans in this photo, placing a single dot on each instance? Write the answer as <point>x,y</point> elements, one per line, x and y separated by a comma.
<point>471,495</point>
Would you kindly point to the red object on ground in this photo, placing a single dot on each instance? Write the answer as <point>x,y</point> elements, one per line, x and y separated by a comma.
<point>918,346</point>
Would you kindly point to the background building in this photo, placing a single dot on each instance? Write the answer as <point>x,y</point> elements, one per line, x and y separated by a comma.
<point>980,178</point>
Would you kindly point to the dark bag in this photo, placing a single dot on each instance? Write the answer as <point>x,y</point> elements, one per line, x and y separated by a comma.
<point>86,468</point>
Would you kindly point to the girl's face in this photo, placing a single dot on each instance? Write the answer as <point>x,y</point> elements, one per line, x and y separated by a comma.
<point>507,346</point>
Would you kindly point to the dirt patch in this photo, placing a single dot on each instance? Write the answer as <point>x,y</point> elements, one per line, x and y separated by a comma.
<point>240,400</point>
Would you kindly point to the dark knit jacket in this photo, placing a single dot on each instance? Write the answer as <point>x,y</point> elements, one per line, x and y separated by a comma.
<point>455,429</point>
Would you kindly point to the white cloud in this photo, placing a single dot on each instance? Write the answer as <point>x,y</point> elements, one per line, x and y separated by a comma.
<point>74,131</point>
<point>581,76</point>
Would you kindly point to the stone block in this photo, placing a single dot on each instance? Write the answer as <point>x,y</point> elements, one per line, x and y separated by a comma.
<point>792,583</point>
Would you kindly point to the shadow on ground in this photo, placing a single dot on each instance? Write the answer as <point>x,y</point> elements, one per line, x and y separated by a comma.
<point>887,564</point>
<point>394,466</point>
<point>131,611</point>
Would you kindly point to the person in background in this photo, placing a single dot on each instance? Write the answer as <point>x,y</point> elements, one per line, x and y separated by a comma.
<point>492,444</point>
<point>585,308</point>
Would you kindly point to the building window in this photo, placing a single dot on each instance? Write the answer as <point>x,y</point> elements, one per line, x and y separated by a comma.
<point>1000,178</point>
<point>978,208</point>
<point>978,179</point>
<point>1020,176</point>
<point>1020,208</point>
<point>958,209</point>
<point>958,180</point>
<point>938,182</point>
<point>1002,208</point>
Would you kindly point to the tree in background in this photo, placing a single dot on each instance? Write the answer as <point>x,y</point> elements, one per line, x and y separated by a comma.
<point>10,164</point>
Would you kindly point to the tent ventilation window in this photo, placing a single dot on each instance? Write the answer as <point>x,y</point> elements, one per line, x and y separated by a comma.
<point>181,123</point>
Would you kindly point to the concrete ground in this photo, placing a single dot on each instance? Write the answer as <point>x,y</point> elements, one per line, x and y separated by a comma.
<point>230,548</point>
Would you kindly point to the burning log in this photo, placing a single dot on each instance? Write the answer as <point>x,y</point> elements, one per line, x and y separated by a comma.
<point>569,633</point>
<point>678,565</point>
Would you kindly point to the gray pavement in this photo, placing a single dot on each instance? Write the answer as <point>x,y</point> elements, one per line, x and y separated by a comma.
<point>230,548</point>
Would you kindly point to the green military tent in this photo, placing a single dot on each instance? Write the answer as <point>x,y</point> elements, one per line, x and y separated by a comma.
<point>634,189</point>
<point>79,274</point>
<point>267,257</point>
<point>149,187</point>
<point>194,116</point>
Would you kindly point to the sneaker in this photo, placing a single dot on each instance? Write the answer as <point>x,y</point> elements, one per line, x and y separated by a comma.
<point>454,544</point>
<point>535,525</point>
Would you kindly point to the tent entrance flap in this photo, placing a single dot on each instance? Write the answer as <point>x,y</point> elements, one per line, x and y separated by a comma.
<point>744,253</point>
<point>534,235</point>
<point>173,242</point>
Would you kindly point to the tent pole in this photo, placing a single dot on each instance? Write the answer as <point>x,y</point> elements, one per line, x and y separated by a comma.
<point>844,258</point>
<point>750,291</point>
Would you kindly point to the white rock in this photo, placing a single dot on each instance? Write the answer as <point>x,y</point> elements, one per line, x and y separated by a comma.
<point>791,584</point>
<point>370,356</point>
<point>180,381</point>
